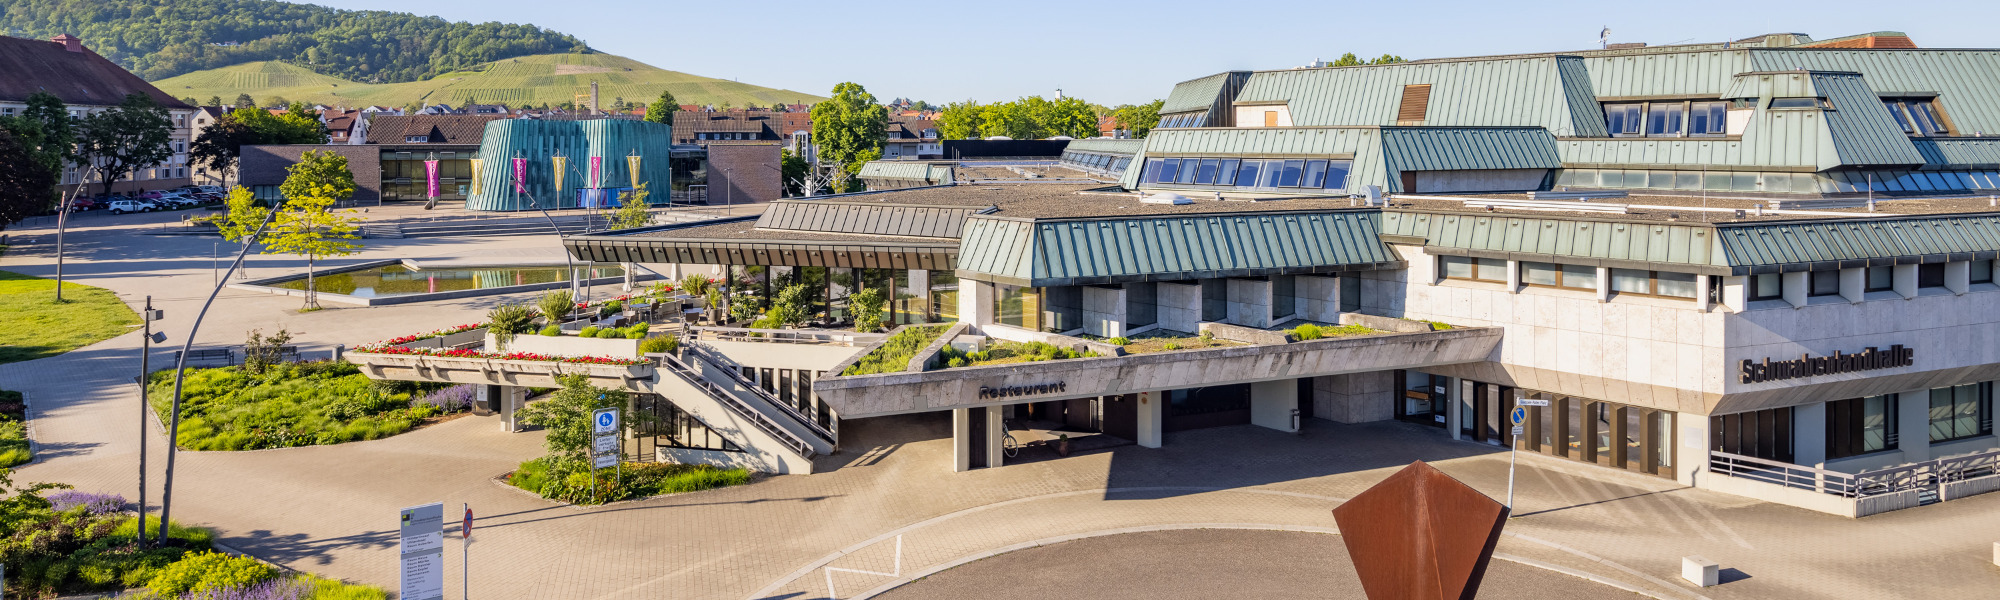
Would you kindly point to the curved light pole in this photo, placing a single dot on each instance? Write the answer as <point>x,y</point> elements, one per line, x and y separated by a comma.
<point>180,373</point>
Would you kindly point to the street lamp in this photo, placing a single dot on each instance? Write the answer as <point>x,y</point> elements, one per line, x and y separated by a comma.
<point>145,369</point>
<point>62,220</point>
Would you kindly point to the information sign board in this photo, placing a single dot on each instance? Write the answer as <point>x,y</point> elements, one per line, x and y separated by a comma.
<point>422,529</point>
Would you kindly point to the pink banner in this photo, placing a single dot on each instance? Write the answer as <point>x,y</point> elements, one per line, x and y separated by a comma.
<point>520,176</point>
<point>596,171</point>
<point>431,178</point>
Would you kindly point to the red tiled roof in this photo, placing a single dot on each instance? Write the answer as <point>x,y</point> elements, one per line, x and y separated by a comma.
<point>78,78</point>
<point>441,129</point>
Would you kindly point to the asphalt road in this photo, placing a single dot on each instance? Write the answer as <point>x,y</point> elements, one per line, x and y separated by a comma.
<point>1205,563</point>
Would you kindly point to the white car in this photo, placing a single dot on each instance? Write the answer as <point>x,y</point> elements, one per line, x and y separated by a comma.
<point>210,189</point>
<point>119,207</point>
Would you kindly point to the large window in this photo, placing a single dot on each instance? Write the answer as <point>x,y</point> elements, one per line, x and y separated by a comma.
<point>1767,286</point>
<point>1930,275</point>
<point>1249,173</point>
<point>1018,306</point>
<point>1654,283</point>
<point>1492,270</point>
<point>1881,279</point>
<point>1824,283</point>
<point>1917,116</point>
<point>1765,434</point>
<point>1980,271</point>
<point>1961,411</point>
<point>1860,426</point>
<point>1667,119</point>
<point>1575,277</point>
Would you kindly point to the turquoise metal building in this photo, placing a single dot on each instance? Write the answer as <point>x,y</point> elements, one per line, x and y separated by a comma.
<point>576,141</point>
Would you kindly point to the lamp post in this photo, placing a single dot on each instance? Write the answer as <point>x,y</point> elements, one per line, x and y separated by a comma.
<point>62,220</point>
<point>145,369</point>
<point>180,376</point>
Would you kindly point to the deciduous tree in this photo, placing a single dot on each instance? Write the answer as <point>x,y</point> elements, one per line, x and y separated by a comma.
<point>221,144</point>
<point>25,187</point>
<point>662,110</point>
<point>307,225</point>
<point>960,120</point>
<point>632,209</point>
<point>846,125</point>
<point>125,138</point>
<point>1138,118</point>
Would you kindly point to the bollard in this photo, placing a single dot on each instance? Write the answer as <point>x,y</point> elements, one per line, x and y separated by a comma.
<point>1700,571</point>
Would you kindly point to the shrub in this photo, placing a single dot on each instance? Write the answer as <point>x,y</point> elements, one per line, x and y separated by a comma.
<point>95,504</point>
<point>260,352</point>
<point>665,344</point>
<point>1307,331</point>
<point>1119,341</point>
<point>867,306</point>
<point>1172,346</point>
<point>589,332</point>
<point>209,571</point>
<point>507,320</point>
<point>556,305</point>
<point>635,335</point>
<point>959,362</point>
<point>14,449</point>
<point>552,330</point>
<point>452,399</point>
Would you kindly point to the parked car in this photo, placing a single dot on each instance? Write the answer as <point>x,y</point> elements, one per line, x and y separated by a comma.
<point>210,189</point>
<point>149,195</point>
<point>119,207</point>
<point>83,204</point>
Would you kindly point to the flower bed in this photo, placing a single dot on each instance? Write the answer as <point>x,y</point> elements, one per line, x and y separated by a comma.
<point>296,404</point>
<point>435,334</point>
<point>530,356</point>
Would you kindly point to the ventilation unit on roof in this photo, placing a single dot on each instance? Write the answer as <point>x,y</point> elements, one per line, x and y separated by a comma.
<point>1166,198</point>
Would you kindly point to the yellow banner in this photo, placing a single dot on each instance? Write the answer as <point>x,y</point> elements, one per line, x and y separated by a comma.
<point>632,166</point>
<point>560,162</point>
<point>475,176</point>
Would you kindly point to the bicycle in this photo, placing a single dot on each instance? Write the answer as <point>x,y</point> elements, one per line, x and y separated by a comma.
<point>1008,445</point>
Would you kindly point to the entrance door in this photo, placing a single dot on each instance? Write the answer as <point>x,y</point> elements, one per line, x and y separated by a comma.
<point>978,417</point>
<point>1121,416</point>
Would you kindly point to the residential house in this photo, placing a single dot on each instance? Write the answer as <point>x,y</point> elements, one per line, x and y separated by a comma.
<point>89,83</point>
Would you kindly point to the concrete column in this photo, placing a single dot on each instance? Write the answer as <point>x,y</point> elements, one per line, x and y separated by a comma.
<point>1691,458</point>
<point>1453,409</point>
<point>1319,298</point>
<point>1513,276</point>
<point>1906,281</point>
<point>1104,311</point>
<point>628,276</point>
<point>1735,292</point>
<point>1359,397</point>
<point>1854,285</point>
<point>1702,300</point>
<point>975,302</point>
<point>1604,284</point>
<point>1958,277</point>
<point>512,398</point>
<point>1809,434</point>
<point>1152,417</point>
<point>1249,302</point>
<point>1180,306</point>
<point>1272,404</point>
<point>1913,428</point>
<point>996,426</point>
<point>1798,286</point>
<point>961,440</point>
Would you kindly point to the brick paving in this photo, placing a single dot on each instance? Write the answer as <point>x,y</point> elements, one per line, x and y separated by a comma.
<point>331,509</point>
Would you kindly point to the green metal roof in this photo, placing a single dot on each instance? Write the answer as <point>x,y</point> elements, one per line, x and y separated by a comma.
<point>1863,132</point>
<point>1077,252</point>
<point>865,218</point>
<point>1521,92</point>
<point>1666,246</point>
<point>1195,94</point>
<point>1666,74</point>
<point>1107,146</point>
<point>884,169</point>
<point>1960,153</point>
<point>1966,82</point>
<point>1586,116</point>
<point>1798,246</point>
<point>1787,84</point>
<point>1467,149</point>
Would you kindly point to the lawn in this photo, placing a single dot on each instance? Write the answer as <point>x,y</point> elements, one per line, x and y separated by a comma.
<point>13,429</point>
<point>297,404</point>
<point>33,325</point>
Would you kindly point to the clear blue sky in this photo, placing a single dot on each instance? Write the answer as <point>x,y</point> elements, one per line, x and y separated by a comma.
<point>1114,52</point>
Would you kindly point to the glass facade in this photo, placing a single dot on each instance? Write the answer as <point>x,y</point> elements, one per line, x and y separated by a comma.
<point>403,177</point>
<point>1260,174</point>
<point>1017,306</point>
<point>1961,411</point>
<point>1828,182</point>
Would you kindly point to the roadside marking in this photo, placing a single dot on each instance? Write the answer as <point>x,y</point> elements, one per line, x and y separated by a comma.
<point>896,572</point>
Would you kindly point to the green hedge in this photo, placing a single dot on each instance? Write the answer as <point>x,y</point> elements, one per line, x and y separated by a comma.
<point>555,480</point>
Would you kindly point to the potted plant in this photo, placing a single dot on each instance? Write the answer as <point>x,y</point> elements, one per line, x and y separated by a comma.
<point>1062,445</point>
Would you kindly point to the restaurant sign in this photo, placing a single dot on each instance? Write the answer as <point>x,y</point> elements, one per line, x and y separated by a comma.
<point>1009,391</point>
<point>1808,365</point>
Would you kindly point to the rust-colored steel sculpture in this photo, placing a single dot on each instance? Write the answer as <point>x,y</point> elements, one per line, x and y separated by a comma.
<point>1420,535</point>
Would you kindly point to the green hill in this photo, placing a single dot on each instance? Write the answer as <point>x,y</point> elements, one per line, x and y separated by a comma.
<point>529,80</point>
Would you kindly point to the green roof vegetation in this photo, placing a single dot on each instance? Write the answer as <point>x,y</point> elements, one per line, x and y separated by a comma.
<point>893,356</point>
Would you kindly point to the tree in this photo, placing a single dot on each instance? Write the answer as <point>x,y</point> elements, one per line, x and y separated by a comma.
<point>1347,60</point>
<point>24,185</point>
<point>244,215</point>
<point>190,101</point>
<point>1386,59</point>
<point>126,138</point>
<point>1069,116</point>
<point>46,129</point>
<point>1006,119</point>
<point>566,416</point>
<point>279,101</point>
<point>867,305</point>
<point>794,171</point>
<point>245,101</point>
<point>849,123</point>
<point>632,207</point>
<point>214,101</point>
<point>788,309</point>
<point>307,225</point>
<point>222,143</point>
<point>960,121</point>
<point>1138,118</point>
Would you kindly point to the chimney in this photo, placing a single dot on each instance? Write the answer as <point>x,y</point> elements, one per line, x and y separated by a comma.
<point>593,97</point>
<point>69,42</point>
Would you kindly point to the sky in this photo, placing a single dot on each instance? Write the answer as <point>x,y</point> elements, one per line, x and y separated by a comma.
<point>1118,52</point>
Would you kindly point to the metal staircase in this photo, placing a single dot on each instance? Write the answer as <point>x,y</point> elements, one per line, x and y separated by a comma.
<point>784,411</point>
<point>726,399</point>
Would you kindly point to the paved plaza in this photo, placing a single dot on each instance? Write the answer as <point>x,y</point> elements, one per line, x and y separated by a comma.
<point>888,509</point>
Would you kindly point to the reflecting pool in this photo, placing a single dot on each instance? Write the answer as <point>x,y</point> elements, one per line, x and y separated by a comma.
<point>389,281</point>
